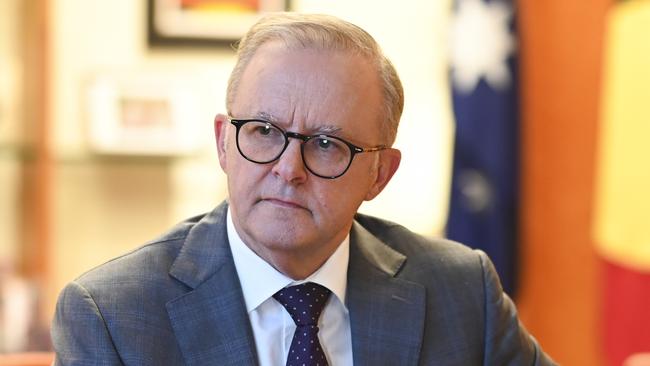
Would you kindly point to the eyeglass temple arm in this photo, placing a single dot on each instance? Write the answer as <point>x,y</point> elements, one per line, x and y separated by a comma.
<point>369,149</point>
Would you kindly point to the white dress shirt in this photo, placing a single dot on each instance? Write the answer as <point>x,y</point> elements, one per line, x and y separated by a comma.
<point>272,325</point>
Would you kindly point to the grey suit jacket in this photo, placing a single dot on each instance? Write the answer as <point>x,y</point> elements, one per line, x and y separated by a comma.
<point>178,301</point>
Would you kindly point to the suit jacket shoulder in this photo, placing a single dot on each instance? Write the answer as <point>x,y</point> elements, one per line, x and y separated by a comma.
<point>468,318</point>
<point>174,301</point>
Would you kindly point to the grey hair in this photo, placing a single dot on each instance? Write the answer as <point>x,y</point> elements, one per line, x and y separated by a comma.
<point>328,33</point>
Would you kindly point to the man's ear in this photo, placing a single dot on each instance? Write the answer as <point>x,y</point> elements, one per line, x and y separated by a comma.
<point>389,160</point>
<point>221,124</point>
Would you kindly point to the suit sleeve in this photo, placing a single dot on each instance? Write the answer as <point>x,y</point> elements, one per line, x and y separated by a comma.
<point>507,342</point>
<point>79,332</point>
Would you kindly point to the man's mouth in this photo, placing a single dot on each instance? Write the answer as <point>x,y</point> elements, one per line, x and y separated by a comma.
<point>283,203</point>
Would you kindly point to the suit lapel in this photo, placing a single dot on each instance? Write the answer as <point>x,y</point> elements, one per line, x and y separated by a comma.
<point>210,321</point>
<point>386,313</point>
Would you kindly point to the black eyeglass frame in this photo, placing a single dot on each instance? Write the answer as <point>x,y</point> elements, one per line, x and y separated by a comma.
<point>354,149</point>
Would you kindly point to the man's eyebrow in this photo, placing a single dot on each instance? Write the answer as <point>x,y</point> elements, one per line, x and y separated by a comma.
<point>266,116</point>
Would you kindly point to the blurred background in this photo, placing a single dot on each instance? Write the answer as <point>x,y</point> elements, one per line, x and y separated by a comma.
<point>525,134</point>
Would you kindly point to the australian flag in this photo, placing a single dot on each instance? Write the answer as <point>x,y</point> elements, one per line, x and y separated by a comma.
<point>484,190</point>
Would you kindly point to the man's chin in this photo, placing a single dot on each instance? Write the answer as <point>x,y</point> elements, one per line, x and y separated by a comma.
<point>281,237</point>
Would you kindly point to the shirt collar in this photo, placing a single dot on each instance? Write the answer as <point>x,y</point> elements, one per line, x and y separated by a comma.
<point>259,280</point>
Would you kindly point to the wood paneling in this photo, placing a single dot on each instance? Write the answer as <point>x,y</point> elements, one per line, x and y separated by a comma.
<point>37,162</point>
<point>561,54</point>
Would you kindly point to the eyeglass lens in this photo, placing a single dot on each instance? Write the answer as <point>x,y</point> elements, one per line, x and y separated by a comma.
<point>262,142</point>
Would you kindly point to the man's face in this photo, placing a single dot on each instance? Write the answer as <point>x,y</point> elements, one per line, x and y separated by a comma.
<point>280,209</point>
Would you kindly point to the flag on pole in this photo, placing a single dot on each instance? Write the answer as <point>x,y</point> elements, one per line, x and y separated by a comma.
<point>622,219</point>
<point>484,191</point>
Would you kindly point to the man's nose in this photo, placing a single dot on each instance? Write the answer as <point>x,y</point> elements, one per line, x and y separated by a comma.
<point>290,166</point>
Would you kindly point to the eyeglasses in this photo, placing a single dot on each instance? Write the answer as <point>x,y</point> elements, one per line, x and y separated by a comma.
<point>324,156</point>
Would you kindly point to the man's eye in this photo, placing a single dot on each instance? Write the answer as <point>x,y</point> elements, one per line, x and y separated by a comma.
<point>263,130</point>
<point>324,143</point>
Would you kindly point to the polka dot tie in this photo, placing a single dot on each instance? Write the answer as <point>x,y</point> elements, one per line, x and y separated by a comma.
<point>305,303</point>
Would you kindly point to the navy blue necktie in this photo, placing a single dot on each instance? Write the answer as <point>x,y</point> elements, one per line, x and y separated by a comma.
<point>305,303</point>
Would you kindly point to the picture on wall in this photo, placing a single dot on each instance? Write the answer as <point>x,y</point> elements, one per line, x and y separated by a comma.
<point>146,115</point>
<point>204,22</point>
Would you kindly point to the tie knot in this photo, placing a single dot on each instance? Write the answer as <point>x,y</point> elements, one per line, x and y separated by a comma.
<point>304,302</point>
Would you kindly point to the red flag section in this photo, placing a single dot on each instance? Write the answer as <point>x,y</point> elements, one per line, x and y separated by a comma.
<point>626,313</point>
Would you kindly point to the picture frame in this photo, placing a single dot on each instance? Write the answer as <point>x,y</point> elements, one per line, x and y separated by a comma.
<point>141,114</point>
<point>204,23</point>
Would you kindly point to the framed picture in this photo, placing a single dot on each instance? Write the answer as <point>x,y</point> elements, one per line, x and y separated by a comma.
<point>204,22</point>
<point>141,114</point>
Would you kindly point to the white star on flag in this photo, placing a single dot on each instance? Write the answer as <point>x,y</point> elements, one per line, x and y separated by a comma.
<point>481,42</point>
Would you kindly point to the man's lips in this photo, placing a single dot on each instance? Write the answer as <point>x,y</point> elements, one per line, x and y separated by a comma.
<point>283,203</point>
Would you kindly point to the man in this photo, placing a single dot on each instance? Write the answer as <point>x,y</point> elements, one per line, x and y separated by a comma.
<point>286,272</point>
